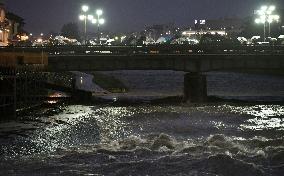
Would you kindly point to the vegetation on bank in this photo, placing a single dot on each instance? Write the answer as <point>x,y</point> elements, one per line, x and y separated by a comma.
<point>109,83</point>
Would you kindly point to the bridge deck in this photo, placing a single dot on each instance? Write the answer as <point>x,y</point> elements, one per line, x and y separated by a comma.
<point>179,62</point>
<point>189,58</point>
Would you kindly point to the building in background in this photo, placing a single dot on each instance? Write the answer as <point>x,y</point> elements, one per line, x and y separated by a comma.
<point>232,26</point>
<point>16,24</point>
<point>4,26</point>
<point>156,31</point>
<point>11,27</point>
<point>193,33</point>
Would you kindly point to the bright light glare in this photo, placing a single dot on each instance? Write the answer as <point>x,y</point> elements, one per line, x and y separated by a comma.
<point>270,20</point>
<point>101,21</point>
<point>90,17</point>
<point>272,8</point>
<point>85,8</point>
<point>99,12</point>
<point>265,15</point>
<point>276,17</point>
<point>94,21</point>
<point>82,17</point>
<point>264,8</point>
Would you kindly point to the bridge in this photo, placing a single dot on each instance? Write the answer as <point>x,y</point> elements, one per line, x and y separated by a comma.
<point>188,58</point>
<point>192,59</point>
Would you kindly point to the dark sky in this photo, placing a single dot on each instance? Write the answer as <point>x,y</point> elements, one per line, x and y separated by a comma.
<point>126,15</point>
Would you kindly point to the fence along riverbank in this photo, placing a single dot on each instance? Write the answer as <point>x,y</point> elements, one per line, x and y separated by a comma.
<point>20,83</point>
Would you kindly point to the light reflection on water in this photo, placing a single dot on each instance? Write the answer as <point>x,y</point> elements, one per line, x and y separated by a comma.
<point>106,135</point>
<point>55,135</point>
<point>79,125</point>
<point>177,138</point>
<point>110,124</point>
<point>265,116</point>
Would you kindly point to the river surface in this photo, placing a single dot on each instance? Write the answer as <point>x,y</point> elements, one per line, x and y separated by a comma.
<point>224,138</point>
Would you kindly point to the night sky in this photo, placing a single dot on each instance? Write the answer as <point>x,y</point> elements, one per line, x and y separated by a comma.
<point>127,15</point>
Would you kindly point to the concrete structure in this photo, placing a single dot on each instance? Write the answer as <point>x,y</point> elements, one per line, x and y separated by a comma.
<point>195,64</point>
<point>178,62</point>
<point>19,59</point>
<point>167,57</point>
<point>195,87</point>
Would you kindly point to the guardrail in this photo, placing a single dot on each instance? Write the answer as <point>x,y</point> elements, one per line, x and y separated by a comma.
<point>150,49</point>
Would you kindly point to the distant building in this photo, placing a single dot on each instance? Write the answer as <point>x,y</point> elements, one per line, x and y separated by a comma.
<point>194,33</point>
<point>11,27</point>
<point>16,24</point>
<point>200,24</point>
<point>232,26</point>
<point>4,26</point>
<point>156,31</point>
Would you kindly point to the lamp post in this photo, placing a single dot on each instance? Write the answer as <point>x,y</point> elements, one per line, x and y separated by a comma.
<point>270,20</point>
<point>99,21</point>
<point>84,17</point>
<point>266,16</point>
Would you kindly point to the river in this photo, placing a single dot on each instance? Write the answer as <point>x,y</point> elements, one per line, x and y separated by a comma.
<point>221,138</point>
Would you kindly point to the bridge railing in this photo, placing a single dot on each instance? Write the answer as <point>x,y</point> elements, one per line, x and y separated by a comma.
<point>150,49</point>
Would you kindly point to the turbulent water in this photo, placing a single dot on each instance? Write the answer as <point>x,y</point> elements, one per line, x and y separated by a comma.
<point>166,139</point>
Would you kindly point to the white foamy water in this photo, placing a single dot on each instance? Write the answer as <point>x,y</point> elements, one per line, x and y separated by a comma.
<point>178,139</point>
<point>149,140</point>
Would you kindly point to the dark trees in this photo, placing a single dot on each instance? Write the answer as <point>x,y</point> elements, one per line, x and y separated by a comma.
<point>70,30</point>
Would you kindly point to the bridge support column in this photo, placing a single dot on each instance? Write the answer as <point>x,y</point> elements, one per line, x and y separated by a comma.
<point>195,88</point>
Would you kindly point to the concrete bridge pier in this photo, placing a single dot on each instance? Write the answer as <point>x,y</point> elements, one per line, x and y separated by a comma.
<point>195,88</point>
<point>79,95</point>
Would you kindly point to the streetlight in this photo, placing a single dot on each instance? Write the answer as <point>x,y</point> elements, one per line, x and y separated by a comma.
<point>84,17</point>
<point>98,20</point>
<point>266,16</point>
<point>270,19</point>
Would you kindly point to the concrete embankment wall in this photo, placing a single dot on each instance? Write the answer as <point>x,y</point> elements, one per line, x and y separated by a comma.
<point>11,59</point>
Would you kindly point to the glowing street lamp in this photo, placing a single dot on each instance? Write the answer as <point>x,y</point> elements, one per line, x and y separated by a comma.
<point>99,12</point>
<point>272,18</point>
<point>84,17</point>
<point>99,21</point>
<point>85,8</point>
<point>266,16</point>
